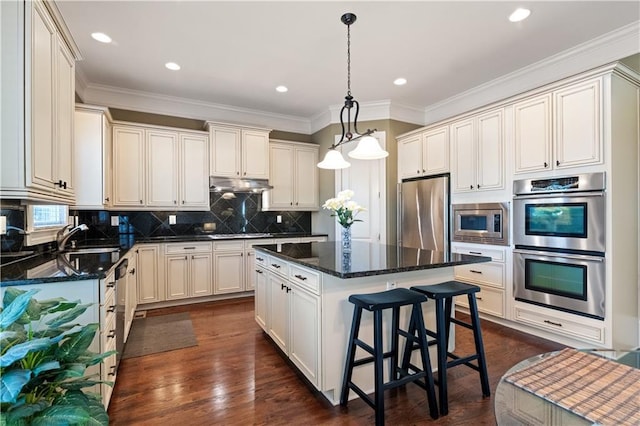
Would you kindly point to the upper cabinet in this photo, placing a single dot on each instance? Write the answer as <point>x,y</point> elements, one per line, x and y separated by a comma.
<point>560,129</point>
<point>294,177</point>
<point>160,168</point>
<point>477,152</point>
<point>425,153</point>
<point>239,152</point>
<point>92,154</point>
<point>38,93</point>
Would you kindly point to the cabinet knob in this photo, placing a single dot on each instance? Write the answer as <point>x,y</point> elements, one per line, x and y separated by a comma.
<point>112,370</point>
<point>61,184</point>
<point>106,199</point>
<point>296,203</point>
<point>557,162</point>
<point>133,271</point>
<point>175,202</point>
<point>418,171</point>
<point>140,201</point>
<point>546,164</point>
<point>238,173</point>
<point>288,289</point>
<point>245,173</point>
<point>291,203</point>
<point>424,171</point>
<point>182,201</point>
<point>470,186</point>
<point>112,334</point>
<point>258,271</point>
<point>478,186</point>
<point>282,286</point>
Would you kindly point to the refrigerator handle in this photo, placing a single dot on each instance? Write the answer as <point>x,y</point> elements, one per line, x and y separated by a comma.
<point>399,215</point>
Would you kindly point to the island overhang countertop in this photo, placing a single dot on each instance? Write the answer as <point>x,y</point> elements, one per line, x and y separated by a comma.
<point>365,259</point>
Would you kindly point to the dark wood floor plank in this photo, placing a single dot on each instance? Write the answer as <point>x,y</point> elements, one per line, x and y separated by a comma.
<point>235,376</point>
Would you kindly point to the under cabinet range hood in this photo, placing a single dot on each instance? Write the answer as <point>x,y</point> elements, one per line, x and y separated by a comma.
<point>227,184</point>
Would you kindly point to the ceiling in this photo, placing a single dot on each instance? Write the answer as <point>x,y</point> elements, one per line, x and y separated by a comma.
<point>235,53</point>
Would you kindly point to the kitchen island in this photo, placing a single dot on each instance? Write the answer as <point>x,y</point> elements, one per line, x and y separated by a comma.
<point>301,299</point>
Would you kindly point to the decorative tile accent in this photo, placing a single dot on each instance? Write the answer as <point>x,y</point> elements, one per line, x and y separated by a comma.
<point>13,240</point>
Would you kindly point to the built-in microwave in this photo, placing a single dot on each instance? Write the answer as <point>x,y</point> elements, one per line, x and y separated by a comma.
<point>485,223</point>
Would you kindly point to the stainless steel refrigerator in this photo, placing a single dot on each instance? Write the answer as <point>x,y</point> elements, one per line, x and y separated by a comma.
<point>423,213</point>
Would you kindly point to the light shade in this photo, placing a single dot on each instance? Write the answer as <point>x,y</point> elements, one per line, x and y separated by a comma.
<point>333,160</point>
<point>368,149</point>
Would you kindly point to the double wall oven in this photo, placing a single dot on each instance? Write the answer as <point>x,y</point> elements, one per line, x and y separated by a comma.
<point>559,231</point>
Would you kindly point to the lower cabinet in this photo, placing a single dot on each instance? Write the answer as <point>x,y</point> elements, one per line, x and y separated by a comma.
<point>261,297</point>
<point>131,297</point>
<point>188,270</point>
<point>228,267</point>
<point>150,275</point>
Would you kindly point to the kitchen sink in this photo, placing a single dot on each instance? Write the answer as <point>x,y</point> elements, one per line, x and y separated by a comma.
<point>92,250</point>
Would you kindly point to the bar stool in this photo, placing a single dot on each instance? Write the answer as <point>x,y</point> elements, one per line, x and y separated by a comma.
<point>376,303</point>
<point>443,295</point>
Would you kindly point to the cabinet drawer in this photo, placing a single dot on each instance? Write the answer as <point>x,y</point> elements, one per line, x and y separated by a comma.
<point>229,246</point>
<point>581,329</point>
<point>496,254</point>
<point>108,334</point>
<point>490,273</point>
<point>108,373</point>
<point>489,300</point>
<point>181,248</point>
<point>305,278</point>
<point>278,266</point>
<point>108,309</point>
<point>261,260</point>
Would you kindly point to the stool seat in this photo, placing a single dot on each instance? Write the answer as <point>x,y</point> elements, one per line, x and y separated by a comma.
<point>387,299</point>
<point>446,289</point>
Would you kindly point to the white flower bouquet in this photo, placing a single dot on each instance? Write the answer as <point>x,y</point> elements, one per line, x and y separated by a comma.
<point>344,208</point>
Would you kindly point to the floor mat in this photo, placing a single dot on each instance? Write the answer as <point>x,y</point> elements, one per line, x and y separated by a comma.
<point>161,333</point>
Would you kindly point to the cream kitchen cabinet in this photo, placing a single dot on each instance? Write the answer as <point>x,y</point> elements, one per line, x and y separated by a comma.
<point>131,296</point>
<point>150,277</point>
<point>229,267</point>
<point>477,152</point>
<point>261,298</point>
<point>160,168</point>
<point>188,269</point>
<point>92,153</point>
<point>38,94</point>
<point>424,153</point>
<point>239,152</point>
<point>294,177</point>
<point>559,129</point>
<point>250,262</point>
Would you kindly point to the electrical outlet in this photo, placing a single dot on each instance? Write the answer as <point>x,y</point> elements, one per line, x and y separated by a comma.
<point>172,219</point>
<point>391,285</point>
<point>3,225</point>
<point>279,218</point>
<point>115,220</point>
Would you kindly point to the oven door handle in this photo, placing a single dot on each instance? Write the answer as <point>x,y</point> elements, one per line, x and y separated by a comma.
<point>545,195</point>
<point>561,255</point>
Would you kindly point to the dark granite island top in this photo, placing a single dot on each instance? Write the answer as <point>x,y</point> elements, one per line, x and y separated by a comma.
<point>365,259</point>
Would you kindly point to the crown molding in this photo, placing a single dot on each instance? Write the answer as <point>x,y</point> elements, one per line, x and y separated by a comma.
<point>607,48</point>
<point>135,100</point>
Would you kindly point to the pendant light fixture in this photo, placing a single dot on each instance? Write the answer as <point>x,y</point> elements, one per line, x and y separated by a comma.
<point>368,148</point>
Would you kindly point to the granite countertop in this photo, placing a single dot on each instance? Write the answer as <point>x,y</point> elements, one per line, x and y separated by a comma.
<point>54,266</point>
<point>329,258</point>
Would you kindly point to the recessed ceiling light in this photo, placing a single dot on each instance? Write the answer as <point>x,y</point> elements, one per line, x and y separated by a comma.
<point>282,89</point>
<point>101,37</point>
<point>400,81</point>
<point>519,14</point>
<point>172,66</point>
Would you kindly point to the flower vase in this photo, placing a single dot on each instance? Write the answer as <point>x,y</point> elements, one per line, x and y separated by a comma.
<point>346,239</point>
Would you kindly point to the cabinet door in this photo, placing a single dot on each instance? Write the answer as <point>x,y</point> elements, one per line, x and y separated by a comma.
<point>225,151</point>
<point>200,274</point>
<point>40,67</point>
<point>281,178</point>
<point>229,272</point>
<point>435,151</point>
<point>177,275</point>
<point>131,296</point>
<point>305,179</point>
<point>261,297</point>
<point>250,271</point>
<point>64,113</point>
<point>410,157</point>
<point>194,171</point>
<point>463,161</point>
<point>255,154</point>
<point>162,168</point>
<point>88,140</point>
<point>150,280</point>
<point>304,346</point>
<point>578,121</point>
<point>128,167</point>
<point>532,133</point>
<point>490,151</point>
<point>278,311</point>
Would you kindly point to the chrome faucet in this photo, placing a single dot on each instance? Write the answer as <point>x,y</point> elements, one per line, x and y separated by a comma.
<point>62,239</point>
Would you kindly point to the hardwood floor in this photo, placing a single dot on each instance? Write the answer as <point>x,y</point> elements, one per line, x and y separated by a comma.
<point>235,376</point>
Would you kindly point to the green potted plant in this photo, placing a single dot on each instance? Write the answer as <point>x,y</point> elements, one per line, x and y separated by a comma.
<point>43,359</point>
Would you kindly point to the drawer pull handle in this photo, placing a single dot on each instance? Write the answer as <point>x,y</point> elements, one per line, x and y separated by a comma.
<point>300,277</point>
<point>275,265</point>
<point>288,289</point>
<point>260,259</point>
<point>258,271</point>
<point>478,298</point>
<point>111,308</point>
<point>282,286</point>
<point>474,271</point>
<point>111,284</point>
<point>553,323</point>
<point>112,334</point>
<point>189,248</point>
<point>113,370</point>
<point>475,252</point>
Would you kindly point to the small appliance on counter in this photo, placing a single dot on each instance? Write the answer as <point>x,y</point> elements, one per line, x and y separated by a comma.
<point>486,223</point>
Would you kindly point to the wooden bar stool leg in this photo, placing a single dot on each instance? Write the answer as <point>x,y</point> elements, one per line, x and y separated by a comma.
<point>378,357</point>
<point>395,326</point>
<point>408,347</point>
<point>417,318</point>
<point>477,337</point>
<point>441,325</point>
<point>351,355</point>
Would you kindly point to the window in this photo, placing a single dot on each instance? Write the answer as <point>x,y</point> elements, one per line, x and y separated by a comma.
<point>44,221</point>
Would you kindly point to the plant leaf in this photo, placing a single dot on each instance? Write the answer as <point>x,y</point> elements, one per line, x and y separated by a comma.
<point>59,415</point>
<point>92,404</point>
<point>68,315</point>
<point>71,371</point>
<point>11,383</point>
<point>46,366</point>
<point>16,416</point>
<point>94,359</point>
<point>64,306</point>
<point>80,384</point>
<point>16,308</point>
<point>19,351</point>
<point>8,334</point>
<point>76,344</point>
